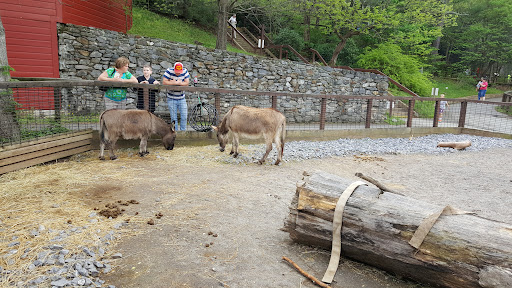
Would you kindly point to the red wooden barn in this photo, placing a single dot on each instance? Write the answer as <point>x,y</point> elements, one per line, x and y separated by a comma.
<point>31,37</point>
<point>31,29</point>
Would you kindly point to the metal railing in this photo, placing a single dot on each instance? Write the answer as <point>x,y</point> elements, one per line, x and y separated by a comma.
<point>39,108</point>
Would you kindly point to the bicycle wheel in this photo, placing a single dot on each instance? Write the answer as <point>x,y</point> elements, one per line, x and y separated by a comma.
<point>202,117</point>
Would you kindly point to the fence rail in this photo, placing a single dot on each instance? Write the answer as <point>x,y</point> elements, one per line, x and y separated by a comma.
<point>42,108</point>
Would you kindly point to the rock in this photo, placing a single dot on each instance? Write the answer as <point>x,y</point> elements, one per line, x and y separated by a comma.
<point>117,256</point>
<point>60,283</point>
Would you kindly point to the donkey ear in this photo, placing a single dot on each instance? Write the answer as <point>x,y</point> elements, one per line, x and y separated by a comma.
<point>215,128</point>
<point>173,125</point>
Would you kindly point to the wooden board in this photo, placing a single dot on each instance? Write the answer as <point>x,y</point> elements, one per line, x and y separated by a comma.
<point>26,156</point>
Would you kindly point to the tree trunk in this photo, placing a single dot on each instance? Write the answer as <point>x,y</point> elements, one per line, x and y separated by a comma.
<point>340,46</point>
<point>222,24</point>
<point>459,251</point>
<point>307,25</point>
<point>9,128</point>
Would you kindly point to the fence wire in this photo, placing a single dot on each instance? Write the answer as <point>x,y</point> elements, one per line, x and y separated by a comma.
<point>33,110</point>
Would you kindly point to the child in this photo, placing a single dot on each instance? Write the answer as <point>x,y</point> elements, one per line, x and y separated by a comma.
<point>443,105</point>
<point>146,79</point>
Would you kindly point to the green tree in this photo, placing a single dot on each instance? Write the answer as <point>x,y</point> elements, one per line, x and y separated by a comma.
<point>421,23</point>
<point>482,40</point>
<point>349,18</point>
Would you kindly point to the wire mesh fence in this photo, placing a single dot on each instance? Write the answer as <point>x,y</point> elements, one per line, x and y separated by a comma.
<point>34,109</point>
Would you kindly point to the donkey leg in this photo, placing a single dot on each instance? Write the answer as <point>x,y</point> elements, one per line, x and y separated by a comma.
<point>143,146</point>
<point>279,147</point>
<point>234,145</point>
<point>269,148</point>
<point>102,150</point>
<point>112,149</point>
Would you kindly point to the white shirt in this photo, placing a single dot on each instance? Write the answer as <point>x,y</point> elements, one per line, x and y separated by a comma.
<point>232,20</point>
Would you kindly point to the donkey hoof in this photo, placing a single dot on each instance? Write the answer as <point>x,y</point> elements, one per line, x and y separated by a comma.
<point>102,158</point>
<point>235,155</point>
<point>113,157</point>
<point>260,162</point>
<point>277,162</point>
<point>231,153</point>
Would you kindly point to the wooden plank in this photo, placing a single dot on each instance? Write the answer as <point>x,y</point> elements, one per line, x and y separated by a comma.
<point>45,159</point>
<point>45,139</point>
<point>36,153</point>
<point>4,156</point>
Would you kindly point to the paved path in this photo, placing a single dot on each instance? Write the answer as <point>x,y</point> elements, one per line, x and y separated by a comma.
<point>480,116</point>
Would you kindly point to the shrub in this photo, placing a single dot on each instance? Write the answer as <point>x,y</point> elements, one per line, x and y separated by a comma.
<point>289,37</point>
<point>389,59</point>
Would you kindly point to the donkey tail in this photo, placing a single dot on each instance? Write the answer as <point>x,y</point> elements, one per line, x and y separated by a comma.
<point>103,130</point>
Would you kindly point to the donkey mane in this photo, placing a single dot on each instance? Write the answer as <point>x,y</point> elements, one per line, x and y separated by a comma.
<point>160,126</point>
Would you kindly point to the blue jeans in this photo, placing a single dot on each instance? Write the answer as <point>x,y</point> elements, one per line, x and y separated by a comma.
<point>481,94</point>
<point>180,106</point>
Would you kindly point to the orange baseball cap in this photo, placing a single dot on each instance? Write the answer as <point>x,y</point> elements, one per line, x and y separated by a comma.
<point>178,66</point>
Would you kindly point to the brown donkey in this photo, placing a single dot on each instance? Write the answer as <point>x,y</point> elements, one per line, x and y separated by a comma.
<point>133,124</point>
<point>253,123</point>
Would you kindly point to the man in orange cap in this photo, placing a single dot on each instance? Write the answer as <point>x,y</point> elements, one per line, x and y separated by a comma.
<point>176,101</point>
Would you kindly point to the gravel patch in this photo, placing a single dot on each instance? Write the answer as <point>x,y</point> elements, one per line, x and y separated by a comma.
<point>304,150</point>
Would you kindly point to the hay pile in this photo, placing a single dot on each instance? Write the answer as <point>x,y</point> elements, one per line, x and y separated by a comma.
<point>41,203</point>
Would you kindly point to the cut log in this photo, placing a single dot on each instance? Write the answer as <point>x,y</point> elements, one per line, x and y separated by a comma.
<point>455,145</point>
<point>459,251</point>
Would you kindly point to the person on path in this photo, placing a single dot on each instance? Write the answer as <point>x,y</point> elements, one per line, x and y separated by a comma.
<point>481,88</point>
<point>115,98</point>
<point>176,101</point>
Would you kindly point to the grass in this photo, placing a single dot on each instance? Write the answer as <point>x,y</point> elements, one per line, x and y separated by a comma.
<point>456,89</point>
<point>149,24</point>
<point>451,88</point>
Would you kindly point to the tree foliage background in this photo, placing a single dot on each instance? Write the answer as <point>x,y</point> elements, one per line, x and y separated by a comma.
<point>410,40</point>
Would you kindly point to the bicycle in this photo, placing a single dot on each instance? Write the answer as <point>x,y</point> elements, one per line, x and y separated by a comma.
<point>203,115</point>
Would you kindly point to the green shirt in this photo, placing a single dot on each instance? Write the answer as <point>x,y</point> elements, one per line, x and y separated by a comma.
<point>114,93</point>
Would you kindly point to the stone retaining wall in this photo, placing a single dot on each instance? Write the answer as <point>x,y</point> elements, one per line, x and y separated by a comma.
<point>86,52</point>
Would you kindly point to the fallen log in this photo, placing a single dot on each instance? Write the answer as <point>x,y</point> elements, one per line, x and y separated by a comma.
<point>459,251</point>
<point>455,145</point>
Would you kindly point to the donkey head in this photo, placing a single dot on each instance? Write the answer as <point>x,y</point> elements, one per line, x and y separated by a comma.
<point>169,138</point>
<point>222,138</point>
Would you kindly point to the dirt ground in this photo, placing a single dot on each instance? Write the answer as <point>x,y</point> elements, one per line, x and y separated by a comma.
<point>219,223</point>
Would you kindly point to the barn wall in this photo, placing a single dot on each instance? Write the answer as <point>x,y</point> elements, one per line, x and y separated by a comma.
<point>31,38</point>
<point>109,15</point>
<point>31,29</point>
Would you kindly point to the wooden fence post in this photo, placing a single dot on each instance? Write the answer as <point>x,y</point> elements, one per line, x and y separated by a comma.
<point>410,113</point>
<point>146,98</point>
<point>274,102</point>
<point>57,103</point>
<point>436,114</point>
<point>462,115</point>
<point>368,113</point>
<point>323,108</point>
<point>217,106</point>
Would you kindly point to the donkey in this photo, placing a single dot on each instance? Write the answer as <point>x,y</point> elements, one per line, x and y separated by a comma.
<point>133,124</point>
<point>253,123</point>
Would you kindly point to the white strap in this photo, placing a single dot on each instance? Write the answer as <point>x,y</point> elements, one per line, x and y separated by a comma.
<point>427,224</point>
<point>336,231</point>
